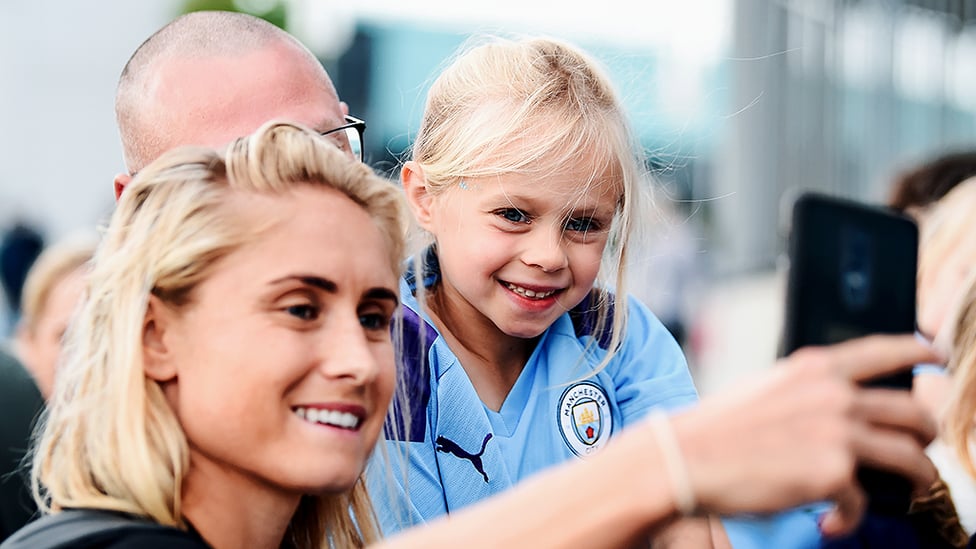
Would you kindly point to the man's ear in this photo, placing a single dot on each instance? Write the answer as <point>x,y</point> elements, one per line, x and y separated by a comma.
<point>157,353</point>
<point>418,197</point>
<point>121,180</point>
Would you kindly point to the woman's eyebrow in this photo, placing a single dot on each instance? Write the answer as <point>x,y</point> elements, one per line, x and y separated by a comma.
<point>382,293</point>
<point>323,284</point>
<point>331,287</point>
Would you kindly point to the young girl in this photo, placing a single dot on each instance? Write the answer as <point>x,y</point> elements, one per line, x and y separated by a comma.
<point>525,177</point>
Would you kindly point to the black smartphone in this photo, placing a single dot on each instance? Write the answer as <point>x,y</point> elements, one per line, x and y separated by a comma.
<point>852,272</point>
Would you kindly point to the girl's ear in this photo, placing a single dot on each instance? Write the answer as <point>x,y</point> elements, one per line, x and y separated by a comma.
<point>415,186</point>
<point>158,360</point>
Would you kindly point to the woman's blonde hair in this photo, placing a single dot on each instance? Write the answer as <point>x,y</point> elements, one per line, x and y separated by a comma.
<point>532,107</point>
<point>110,440</point>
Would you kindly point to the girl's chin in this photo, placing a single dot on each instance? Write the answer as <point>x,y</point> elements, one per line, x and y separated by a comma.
<point>526,332</point>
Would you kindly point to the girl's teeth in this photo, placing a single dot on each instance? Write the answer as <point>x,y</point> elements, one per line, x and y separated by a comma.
<point>328,417</point>
<point>529,293</point>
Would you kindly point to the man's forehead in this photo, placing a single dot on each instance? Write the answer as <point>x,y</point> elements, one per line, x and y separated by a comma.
<point>212,100</point>
<point>264,74</point>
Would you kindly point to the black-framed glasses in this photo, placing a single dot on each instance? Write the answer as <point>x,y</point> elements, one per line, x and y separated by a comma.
<point>350,136</point>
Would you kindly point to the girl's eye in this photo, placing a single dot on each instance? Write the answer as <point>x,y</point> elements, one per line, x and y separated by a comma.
<point>374,321</point>
<point>303,311</point>
<point>582,224</point>
<point>512,214</point>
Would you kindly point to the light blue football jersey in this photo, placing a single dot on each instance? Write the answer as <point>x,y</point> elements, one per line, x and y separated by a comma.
<point>458,451</point>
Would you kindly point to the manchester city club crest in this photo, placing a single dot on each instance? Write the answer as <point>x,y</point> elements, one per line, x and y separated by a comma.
<point>584,418</point>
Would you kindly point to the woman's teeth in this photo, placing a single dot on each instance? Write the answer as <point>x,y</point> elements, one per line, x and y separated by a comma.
<point>328,417</point>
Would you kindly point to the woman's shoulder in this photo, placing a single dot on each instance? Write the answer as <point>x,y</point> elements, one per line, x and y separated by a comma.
<point>100,529</point>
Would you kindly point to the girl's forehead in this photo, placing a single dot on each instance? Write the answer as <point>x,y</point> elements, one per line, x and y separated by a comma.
<point>566,189</point>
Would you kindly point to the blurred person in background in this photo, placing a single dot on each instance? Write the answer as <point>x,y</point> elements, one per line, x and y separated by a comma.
<point>918,187</point>
<point>947,265</point>
<point>52,291</point>
<point>667,274</point>
<point>931,193</point>
<point>914,192</point>
<point>20,403</point>
<point>955,453</point>
<point>19,247</point>
<point>928,193</point>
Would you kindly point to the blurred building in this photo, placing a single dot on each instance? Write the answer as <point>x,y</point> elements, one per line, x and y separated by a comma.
<point>835,95</point>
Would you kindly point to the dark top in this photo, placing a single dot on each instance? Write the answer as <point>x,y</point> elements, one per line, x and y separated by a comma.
<point>19,247</point>
<point>132,539</point>
<point>20,404</point>
<point>98,529</point>
<point>880,531</point>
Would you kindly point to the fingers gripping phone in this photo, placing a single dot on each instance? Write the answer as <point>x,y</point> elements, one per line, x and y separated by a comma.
<point>852,273</point>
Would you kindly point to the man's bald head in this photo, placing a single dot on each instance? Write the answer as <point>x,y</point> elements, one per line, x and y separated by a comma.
<point>207,78</point>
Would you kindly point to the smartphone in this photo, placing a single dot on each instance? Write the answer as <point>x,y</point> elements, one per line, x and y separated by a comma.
<point>852,272</point>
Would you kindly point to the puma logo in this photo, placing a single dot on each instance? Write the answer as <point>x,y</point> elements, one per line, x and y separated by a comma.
<point>448,446</point>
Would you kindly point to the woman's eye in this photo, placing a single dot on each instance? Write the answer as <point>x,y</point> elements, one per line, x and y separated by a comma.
<point>304,311</point>
<point>374,321</point>
<point>512,214</point>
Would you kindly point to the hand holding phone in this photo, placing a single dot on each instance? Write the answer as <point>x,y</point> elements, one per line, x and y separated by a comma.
<point>852,273</point>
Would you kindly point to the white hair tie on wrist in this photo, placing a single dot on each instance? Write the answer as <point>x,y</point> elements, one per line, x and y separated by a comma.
<point>674,463</point>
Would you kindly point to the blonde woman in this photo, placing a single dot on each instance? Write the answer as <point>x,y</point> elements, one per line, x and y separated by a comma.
<point>230,370</point>
<point>51,294</point>
<point>229,373</point>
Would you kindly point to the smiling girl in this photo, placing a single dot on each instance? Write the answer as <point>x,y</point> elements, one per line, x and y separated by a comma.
<point>527,181</point>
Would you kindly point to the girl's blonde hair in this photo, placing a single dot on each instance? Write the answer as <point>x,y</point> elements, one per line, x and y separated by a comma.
<point>110,440</point>
<point>532,107</point>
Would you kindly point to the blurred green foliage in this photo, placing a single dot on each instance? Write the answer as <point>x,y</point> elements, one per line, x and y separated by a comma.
<point>272,11</point>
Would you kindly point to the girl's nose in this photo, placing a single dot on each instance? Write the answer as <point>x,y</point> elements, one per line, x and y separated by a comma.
<point>544,248</point>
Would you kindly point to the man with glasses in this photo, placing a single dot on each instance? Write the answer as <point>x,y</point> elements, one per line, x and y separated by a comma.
<point>350,136</point>
<point>207,78</point>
